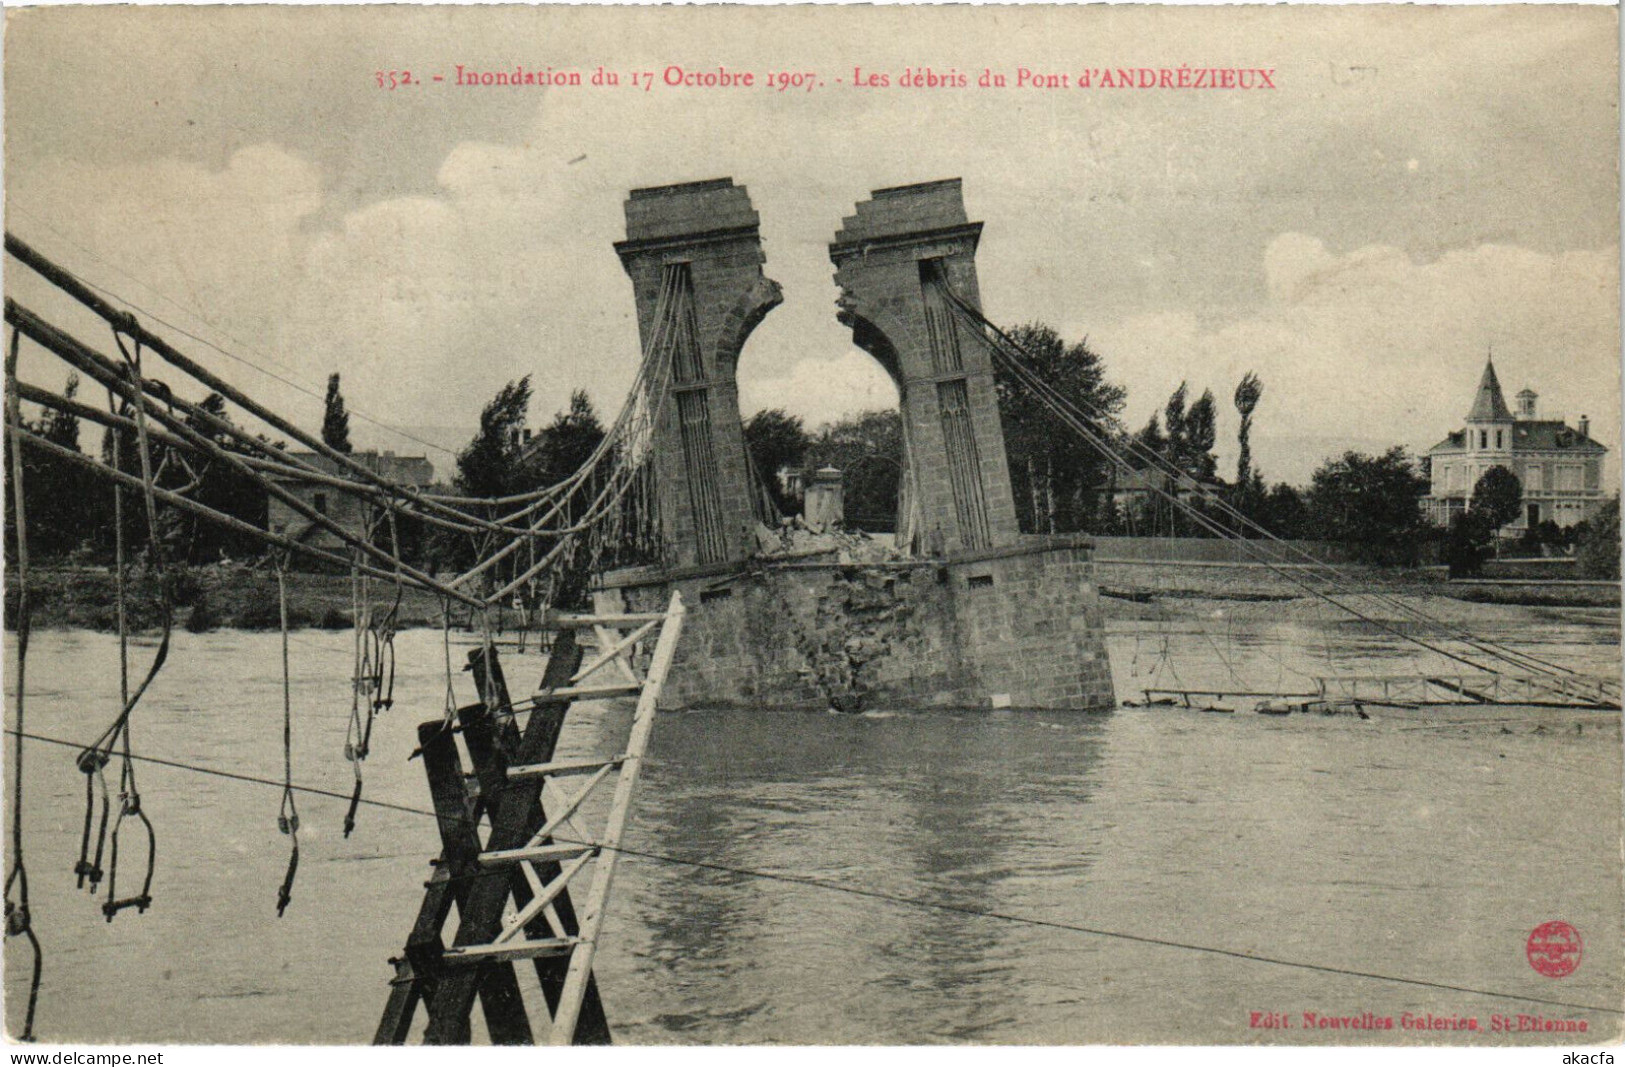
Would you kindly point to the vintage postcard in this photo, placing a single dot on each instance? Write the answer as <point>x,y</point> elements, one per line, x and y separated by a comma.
<point>813,525</point>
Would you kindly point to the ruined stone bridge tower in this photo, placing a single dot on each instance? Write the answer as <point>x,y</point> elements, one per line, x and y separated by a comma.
<point>972,615</point>
<point>889,257</point>
<point>699,243</point>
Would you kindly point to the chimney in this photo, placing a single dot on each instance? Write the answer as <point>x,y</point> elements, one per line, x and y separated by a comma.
<point>1585,426</point>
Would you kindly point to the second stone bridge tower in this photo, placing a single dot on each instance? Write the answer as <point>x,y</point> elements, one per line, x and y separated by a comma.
<point>893,259</point>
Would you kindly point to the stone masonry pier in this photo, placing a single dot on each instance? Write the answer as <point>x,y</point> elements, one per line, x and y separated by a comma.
<point>1018,627</point>
<point>970,614</point>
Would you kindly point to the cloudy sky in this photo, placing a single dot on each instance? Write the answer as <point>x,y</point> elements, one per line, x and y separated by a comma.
<point>1424,185</point>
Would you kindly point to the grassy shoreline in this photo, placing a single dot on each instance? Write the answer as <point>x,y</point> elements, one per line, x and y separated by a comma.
<point>223,596</point>
<point>232,596</point>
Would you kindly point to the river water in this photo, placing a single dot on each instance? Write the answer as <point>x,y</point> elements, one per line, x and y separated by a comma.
<point>1418,845</point>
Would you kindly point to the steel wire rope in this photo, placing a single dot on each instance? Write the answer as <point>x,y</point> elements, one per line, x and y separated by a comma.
<point>134,389</point>
<point>75,287</point>
<point>1014,358</point>
<point>287,819</point>
<point>110,294</point>
<point>643,383</point>
<point>129,793</point>
<point>93,760</point>
<point>1505,654</point>
<point>1054,397</point>
<point>19,921</point>
<point>125,322</point>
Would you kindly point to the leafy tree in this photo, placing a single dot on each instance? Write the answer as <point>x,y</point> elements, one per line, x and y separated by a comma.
<point>868,449</point>
<point>223,489</point>
<point>1186,447</point>
<point>60,499</point>
<point>489,465</point>
<point>1173,415</point>
<point>1151,437</point>
<point>1468,545</point>
<point>1499,495</point>
<point>1371,503</point>
<point>776,440</point>
<point>62,427</point>
<point>1598,548</point>
<point>1251,498</point>
<point>335,419</point>
<point>560,449</point>
<point>1285,513</point>
<point>1195,446</point>
<point>563,446</point>
<point>1248,393</point>
<point>1057,477</point>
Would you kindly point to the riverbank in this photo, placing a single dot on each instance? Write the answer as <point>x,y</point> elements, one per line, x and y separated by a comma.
<point>236,596</point>
<point>1168,581</point>
<point>221,596</point>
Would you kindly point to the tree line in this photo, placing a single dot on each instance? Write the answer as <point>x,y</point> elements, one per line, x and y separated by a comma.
<point>70,509</point>
<point>1061,483</point>
<point>1371,503</point>
<point>72,512</point>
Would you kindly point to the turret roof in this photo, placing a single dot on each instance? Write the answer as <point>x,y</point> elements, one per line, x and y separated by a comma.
<point>1489,405</point>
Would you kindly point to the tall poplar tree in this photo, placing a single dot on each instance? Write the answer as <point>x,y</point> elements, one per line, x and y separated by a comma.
<point>335,419</point>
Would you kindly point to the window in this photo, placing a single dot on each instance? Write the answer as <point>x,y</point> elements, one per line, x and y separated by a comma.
<point>1531,477</point>
<point>1483,439</point>
<point>1568,478</point>
<point>321,503</point>
<point>1498,439</point>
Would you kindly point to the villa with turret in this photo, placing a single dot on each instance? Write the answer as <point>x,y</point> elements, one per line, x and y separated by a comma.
<point>1559,466</point>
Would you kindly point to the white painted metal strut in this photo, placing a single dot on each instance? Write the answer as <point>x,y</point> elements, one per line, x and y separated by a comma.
<point>592,915</point>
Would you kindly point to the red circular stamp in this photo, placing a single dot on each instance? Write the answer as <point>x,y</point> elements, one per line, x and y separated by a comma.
<point>1554,949</point>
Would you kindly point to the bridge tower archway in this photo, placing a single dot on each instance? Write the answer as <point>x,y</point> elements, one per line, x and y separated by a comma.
<point>893,257</point>
<point>694,254</point>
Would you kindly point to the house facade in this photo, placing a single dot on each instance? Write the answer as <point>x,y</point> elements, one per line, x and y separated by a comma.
<point>1132,490</point>
<point>1559,466</point>
<point>344,509</point>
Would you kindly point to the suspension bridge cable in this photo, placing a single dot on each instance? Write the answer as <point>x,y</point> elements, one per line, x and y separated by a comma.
<point>1020,362</point>
<point>893,898</point>
<point>18,912</point>
<point>1016,359</point>
<point>614,452</point>
<point>1013,353</point>
<point>112,295</point>
<point>125,323</point>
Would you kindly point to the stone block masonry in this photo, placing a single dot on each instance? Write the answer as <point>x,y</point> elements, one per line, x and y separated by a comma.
<point>1017,626</point>
<point>892,257</point>
<point>971,616</point>
<point>698,243</point>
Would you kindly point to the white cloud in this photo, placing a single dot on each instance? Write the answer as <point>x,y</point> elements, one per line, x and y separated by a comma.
<point>821,390</point>
<point>1373,346</point>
